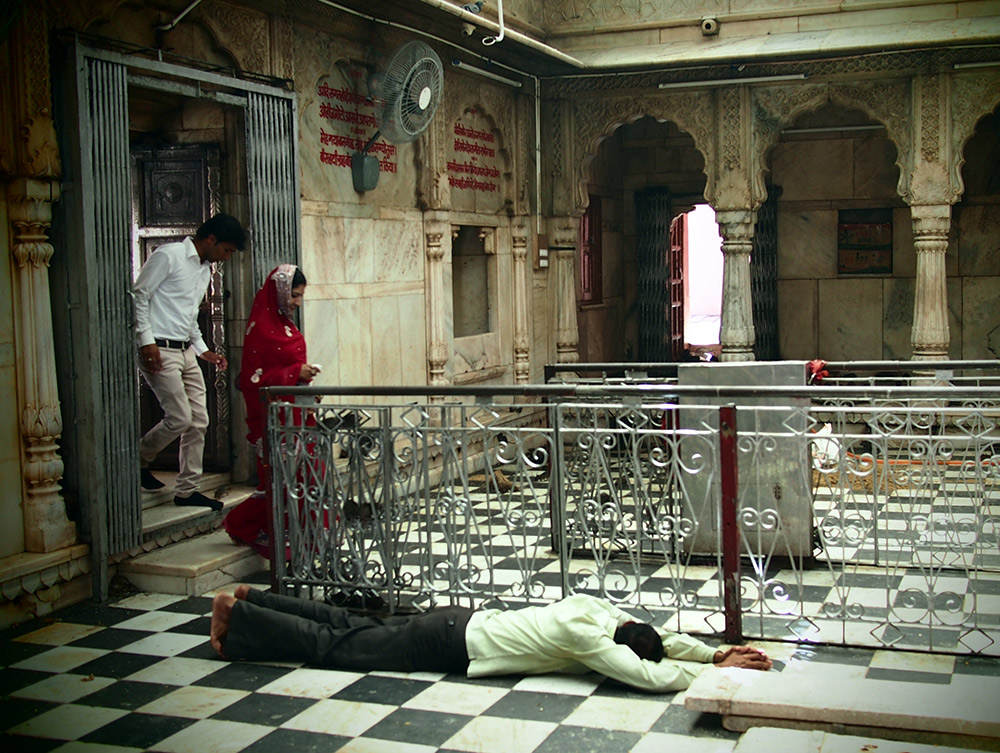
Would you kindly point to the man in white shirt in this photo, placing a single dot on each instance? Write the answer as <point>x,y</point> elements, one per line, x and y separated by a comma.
<point>577,634</point>
<point>168,293</point>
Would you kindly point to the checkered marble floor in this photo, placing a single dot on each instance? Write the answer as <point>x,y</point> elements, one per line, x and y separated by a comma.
<point>139,674</point>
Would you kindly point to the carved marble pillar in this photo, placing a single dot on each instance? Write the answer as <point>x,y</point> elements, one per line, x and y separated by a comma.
<point>737,335</point>
<point>521,346</point>
<point>933,185</point>
<point>46,527</point>
<point>930,336</point>
<point>33,170</point>
<point>437,240</point>
<point>563,239</point>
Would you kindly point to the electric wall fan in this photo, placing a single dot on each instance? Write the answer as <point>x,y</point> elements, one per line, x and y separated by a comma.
<point>406,95</point>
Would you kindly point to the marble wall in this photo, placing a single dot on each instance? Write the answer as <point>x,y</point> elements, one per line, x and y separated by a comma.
<point>364,310</point>
<point>367,308</point>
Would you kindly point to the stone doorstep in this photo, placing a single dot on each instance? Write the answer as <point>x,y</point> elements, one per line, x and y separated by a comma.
<point>167,518</point>
<point>193,566</point>
<point>165,495</point>
<point>810,698</point>
<point>773,740</point>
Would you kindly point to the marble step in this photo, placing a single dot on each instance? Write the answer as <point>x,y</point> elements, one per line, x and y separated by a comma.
<point>193,566</point>
<point>209,482</point>
<point>165,519</point>
<point>809,696</point>
<point>772,740</point>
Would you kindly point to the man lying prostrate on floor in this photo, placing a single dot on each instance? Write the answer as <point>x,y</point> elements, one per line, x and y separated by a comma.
<point>577,634</point>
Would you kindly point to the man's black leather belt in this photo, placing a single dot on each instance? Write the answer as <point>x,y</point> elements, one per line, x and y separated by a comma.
<point>172,344</point>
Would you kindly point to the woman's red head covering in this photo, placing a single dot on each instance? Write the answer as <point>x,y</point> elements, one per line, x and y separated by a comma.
<point>274,349</point>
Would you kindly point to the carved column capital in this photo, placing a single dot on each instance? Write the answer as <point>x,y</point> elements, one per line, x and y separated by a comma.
<point>29,202</point>
<point>435,251</point>
<point>736,225</point>
<point>564,232</point>
<point>519,243</point>
<point>931,220</point>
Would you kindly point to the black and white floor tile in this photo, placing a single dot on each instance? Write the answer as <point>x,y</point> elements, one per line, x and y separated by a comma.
<point>140,675</point>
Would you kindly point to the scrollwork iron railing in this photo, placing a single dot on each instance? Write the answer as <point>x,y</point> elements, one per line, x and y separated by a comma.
<point>886,533</point>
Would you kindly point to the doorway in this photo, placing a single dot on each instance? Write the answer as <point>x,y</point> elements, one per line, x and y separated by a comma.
<point>175,188</point>
<point>104,102</point>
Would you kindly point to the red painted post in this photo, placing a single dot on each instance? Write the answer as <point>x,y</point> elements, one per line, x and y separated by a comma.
<point>730,525</point>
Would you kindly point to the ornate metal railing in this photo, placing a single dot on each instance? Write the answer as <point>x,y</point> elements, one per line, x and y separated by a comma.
<point>861,516</point>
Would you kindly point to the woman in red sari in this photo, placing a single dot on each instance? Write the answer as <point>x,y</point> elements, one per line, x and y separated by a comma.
<point>274,354</point>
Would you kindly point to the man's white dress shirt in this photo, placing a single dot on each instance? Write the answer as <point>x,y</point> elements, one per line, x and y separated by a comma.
<point>573,636</point>
<point>168,293</point>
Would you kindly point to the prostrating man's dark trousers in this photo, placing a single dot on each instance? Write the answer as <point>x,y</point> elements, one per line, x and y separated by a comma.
<point>270,627</point>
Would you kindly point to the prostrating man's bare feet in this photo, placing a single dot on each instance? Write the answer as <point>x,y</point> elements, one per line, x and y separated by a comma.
<point>222,609</point>
<point>241,591</point>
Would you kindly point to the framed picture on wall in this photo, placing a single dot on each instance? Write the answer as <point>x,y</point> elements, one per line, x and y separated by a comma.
<point>864,242</point>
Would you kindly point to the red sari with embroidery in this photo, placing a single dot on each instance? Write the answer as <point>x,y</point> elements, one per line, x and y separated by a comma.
<point>273,354</point>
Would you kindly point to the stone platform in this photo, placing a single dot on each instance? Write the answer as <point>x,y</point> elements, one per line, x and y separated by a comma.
<point>193,566</point>
<point>811,696</point>
<point>772,740</point>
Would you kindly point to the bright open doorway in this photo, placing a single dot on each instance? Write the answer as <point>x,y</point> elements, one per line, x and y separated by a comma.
<point>703,292</point>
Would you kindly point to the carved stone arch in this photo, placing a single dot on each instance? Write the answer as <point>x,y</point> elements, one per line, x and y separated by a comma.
<point>240,32</point>
<point>88,16</point>
<point>974,96</point>
<point>136,23</point>
<point>774,108</point>
<point>499,106</point>
<point>777,107</point>
<point>499,114</point>
<point>596,120</point>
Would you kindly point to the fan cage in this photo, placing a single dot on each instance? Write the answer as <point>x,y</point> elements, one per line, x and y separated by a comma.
<point>414,70</point>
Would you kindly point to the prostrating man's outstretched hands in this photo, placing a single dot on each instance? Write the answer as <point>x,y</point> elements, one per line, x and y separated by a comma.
<point>742,656</point>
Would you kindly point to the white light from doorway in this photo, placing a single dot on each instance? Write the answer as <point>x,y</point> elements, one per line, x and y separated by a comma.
<point>703,314</point>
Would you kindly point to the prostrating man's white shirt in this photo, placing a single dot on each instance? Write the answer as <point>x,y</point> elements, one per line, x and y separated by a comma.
<point>576,635</point>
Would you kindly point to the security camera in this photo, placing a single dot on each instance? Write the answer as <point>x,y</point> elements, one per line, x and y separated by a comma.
<point>468,30</point>
<point>709,27</point>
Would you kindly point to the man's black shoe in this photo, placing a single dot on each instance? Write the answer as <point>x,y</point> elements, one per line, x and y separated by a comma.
<point>198,500</point>
<point>148,481</point>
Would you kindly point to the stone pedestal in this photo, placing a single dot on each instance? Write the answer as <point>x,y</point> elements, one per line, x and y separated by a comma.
<point>775,496</point>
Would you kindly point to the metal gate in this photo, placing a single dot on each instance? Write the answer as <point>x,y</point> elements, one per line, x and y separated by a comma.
<point>273,167</point>
<point>764,279</point>
<point>652,210</point>
<point>95,353</point>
